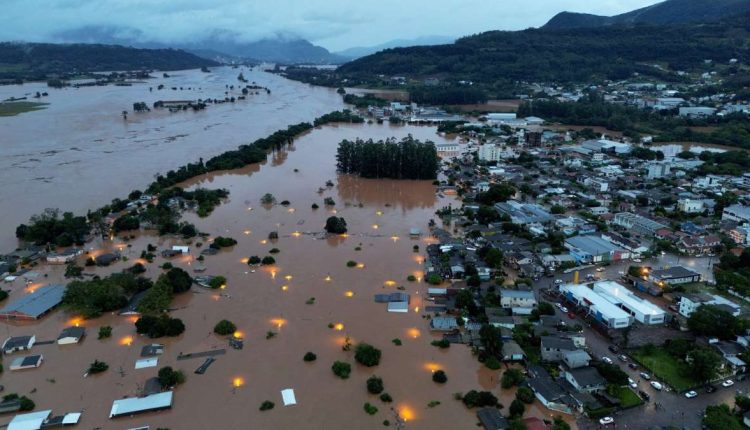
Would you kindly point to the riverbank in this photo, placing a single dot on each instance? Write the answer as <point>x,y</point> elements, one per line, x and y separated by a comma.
<point>19,107</point>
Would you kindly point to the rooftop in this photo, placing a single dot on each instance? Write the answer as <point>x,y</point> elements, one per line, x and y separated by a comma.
<point>135,405</point>
<point>588,295</point>
<point>35,304</point>
<point>673,272</point>
<point>617,293</point>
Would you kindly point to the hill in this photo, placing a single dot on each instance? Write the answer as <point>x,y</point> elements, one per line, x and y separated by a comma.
<point>664,13</point>
<point>361,51</point>
<point>568,55</point>
<point>219,44</point>
<point>39,61</point>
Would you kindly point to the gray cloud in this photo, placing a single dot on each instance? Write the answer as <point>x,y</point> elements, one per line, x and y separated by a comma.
<point>335,24</point>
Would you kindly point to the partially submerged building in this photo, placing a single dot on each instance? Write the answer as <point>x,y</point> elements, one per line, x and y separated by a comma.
<point>137,405</point>
<point>34,305</point>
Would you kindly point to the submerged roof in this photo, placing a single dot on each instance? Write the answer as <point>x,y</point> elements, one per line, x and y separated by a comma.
<point>37,303</point>
<point>31,421</point>
<point>136,405</point>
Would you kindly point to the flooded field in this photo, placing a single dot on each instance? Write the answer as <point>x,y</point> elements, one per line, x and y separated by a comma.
<point>78,153</point>
<point>379,214</point>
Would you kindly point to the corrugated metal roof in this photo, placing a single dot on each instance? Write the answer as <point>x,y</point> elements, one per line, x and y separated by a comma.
<point>37,303</point>
<point>141,404</point>
<point>32,421</point>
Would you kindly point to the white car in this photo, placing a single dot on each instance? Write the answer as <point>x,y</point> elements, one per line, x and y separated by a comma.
<point>632,383</point>
<point>563,309</point>
<point>645,376</point>
<point>727,383</point>
<point>559,305</point>
<point>607,360</point>
<point>637,260</point>
<point>621,273</point>
<point>600,269</point>
<point>606,420</point>
<point>558,281</point>
<point>691,394</point>
<point>657,386</point>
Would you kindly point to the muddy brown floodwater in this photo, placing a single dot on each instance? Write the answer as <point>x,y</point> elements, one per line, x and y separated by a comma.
<point>79,153</point>
<point>379,214</point>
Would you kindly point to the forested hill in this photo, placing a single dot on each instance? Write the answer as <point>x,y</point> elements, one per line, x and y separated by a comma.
<point>664,13</point>
<point>29,61</point>
<point>568,55</point>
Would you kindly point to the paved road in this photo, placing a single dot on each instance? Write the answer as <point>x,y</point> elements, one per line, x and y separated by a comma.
<point>676,409</point>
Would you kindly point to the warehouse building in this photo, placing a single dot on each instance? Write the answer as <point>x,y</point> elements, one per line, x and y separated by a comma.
<point>593,249</point>
<point>598,306</point>
<point>34,305</point>
<point>642,310</point>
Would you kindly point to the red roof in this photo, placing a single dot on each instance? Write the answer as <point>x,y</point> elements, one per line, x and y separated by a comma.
<point>533,423</point>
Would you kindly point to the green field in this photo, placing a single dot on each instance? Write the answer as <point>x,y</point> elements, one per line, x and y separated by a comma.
<point>666,368</point>
<point>15,108</point>
<point>627,397</point>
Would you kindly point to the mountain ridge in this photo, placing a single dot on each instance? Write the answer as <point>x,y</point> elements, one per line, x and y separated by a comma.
<point>665,13</point>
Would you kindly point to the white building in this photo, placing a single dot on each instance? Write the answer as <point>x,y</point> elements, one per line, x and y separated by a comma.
<point>690,206</point>
<point>697,111</point>
<point>448,149</point>
<point>598,306</point>
<point>517,299</point>
<point>738,213</point>
<point>658,170</point>
<point>690,302</point>
<point>491,152</point>
<point>642,310</point>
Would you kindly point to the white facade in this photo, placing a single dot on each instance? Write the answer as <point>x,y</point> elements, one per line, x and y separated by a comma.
<point>690,206</point>
<point>658,170</point>
<point>688,304</point>
<point>642,310</point>
<point>738,213</point>
<point>490,152</point>
<point>598,306</point>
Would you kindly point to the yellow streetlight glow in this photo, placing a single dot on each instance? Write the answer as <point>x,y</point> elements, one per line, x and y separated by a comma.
<point>238,382</point>
<point>126,341</point>
<point>288,277</point>
<point>349,294</point>
<point>284,287</point>
<point>379,213</point>
<point>247,232</point>
<point>296,234</point>
<point>375,226</point>
<point>360,265</point>
<point>328,278</point>
<point>338,326</point>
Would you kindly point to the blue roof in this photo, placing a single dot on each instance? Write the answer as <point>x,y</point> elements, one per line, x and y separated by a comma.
<point>37,303</point>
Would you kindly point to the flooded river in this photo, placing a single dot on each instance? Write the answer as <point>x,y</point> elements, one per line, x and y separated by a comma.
<point>79,152</point>
<point>379,214</point>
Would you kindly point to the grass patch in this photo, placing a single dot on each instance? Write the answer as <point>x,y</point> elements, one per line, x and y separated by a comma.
<point>627,397</point>
<point>15,108</point>
<point>667,368</point>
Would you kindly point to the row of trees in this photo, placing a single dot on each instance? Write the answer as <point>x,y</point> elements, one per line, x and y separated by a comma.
<point>405,159</point>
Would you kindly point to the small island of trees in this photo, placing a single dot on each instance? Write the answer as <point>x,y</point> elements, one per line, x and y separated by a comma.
<point>405,159</point>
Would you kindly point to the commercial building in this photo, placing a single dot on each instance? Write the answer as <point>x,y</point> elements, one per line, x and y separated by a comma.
<point>602,309</point>
<point>638,223</point>
<point>34,305</point>
<point>524,214</point>
<point>594,249</point>
<point>737,213</point>
<point>690,206</point>
<point>690,302</point>
<point>642,310</point>
<point>674,275</point>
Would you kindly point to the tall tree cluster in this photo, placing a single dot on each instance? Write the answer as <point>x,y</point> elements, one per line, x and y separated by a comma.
<point>408,158</point>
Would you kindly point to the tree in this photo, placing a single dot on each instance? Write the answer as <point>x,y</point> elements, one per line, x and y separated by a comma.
<point>479,399</point>
<point>267,405</point>
<point>224,327</point>
<point>73,271</point>
<point>374,385</point>
<point>367,355</point>
<point>341,369</point>
<point>440,377</point>
<point>612,373</point>
<point>98,367</point>
<point>511,377</point>
<point>126,222</point>
<point>720,418</point>
<point>496,193</point>
<point>494,258</point>
<point>517,408</point>
<point>268,261</point>
<point>704,364</point>
<point>159,326</point>
<point>335,225</point>
<point>557,210</point>
<point>105,331</point>
<point>489,336</point>
<point>310,356</point>
<point>217,281</point>
<point>434,279</point>
<point>559,424</point>
<point>712,321</point>
<point>267,199</point>
<point>169,377</point>
<point>178,279</point>
<point>525,394</point>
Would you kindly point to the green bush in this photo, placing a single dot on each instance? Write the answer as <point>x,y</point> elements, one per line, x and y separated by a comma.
<point>98,367</point>
<point>374,385</point>
<point>440,377</point>
<point>268,260</point>
<point>517,408</point>
<point>341,369</point>
<point>386,398</point>
<point>253,260</point>
<point>310,357</point>
<point>105,332</point>
<point>442,343</point>
<point>434,279</point>
<point>225,327</point>
<point>479,399</point>
<point>267,405</point>
<point>492,363</point>
<point>370,409</point>
<point>411,278</point>
<point>367,355</point>
<point>397,342</point>
<point>168,377</point>
<point>525,394</point>
<point>351,263</point>
<point>511,377</point>
<point>216,282</point>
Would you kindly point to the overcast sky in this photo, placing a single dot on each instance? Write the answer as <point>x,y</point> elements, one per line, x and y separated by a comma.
<point>334,24</point>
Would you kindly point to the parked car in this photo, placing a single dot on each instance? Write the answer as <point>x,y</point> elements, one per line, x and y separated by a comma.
<point>572,315</point>
<point>613,349</point>
<point>606,420</point>
<point>645,376</point>
<point>657,385</point>
<point>637,260</point>
<point>632,365</point>
<point>607,360</point>
<point>564,310</point>
<point>632,383</point>
<point>559,305</point>
<point>691,394</point>
<point>621,273</point>
<point>623,357</point>
<point>710,389</point>
<point>558,281</point>
<point>600,269</point>
<point>727,383</point>
<point>644,395</point>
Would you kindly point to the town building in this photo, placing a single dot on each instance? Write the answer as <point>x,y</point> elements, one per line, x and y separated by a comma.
<point>71,335</point>
<point>18,343</point>
<point>28,362</point>
<point>34,305</point>
<point>135,405</point>
<point>674,276</point>
<point>594,249</point>
<point>690,302</point>
<point>631,221</point>
<point>737,213</point>
<point>601,308</point>
<point>554,348</point>
<point>585,379</point>
<point>517,299</point>
<point>642,310</point>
